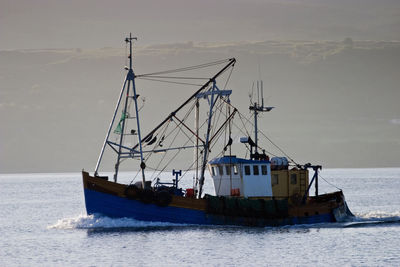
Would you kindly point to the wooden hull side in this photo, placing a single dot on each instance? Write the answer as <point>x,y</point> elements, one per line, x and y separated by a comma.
<point>108,198</point>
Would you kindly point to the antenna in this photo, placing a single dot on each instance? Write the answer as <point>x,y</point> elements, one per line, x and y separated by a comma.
<point>129,40</point>
<point>256,108</point>
<point>262,94</point>
<point>251,93</point>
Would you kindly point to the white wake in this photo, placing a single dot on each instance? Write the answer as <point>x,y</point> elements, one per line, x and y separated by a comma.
<point>84,221</point>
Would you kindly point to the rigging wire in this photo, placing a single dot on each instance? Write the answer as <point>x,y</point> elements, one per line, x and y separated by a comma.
<point>173,157</point>
<point>159,163</point>
<point>191,165</point>
<point>319,175</point>
<point>178,125</point>
<point>195,67</point>
<point>157,144</point>
<point>189,139</point>
<point>269,139</point>
<point>215,119</point>
<point>184,132</point>
<point>219,107</point>
<point>244,126</point>
<point>166,137</point>
<point>134,178</point>
<point>162,81</point>
<point>229,77</point>
<point>176,77</point>
<point>150,154</point>
<point>177,152</point>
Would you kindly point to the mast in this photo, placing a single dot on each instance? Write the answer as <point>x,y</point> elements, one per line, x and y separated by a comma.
<point>129,83</point>
<point>214,93</point>
<point>196,142</point>
<point>130,78</point>
<point>256,108</point>
<point>206,146</point>
<point>135,98</point>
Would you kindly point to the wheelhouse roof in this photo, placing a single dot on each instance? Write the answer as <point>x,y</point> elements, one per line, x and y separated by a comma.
<point>235,160</point>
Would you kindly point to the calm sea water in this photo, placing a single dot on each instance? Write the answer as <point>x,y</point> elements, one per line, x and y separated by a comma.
<point>43,223</point>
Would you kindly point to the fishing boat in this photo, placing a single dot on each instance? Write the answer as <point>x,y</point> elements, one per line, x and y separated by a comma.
<point>255,189</point>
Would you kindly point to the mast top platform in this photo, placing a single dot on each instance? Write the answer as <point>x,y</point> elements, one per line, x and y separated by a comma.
<point>130,38</point>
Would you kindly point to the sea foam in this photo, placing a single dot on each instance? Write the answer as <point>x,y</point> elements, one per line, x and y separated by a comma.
<point>84,221</point>
<point>377,215</point>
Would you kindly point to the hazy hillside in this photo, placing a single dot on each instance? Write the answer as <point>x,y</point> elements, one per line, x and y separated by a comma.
<point>336,102</point>
<point>94,23</point>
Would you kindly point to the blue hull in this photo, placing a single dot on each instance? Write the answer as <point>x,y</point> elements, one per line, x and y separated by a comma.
<point>116,206</point>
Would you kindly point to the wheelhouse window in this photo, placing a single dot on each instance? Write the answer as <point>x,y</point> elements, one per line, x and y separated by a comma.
<point>213,171</point>
<point>293,178</point>
<point>221,170</point>
<point>275,179</point>
<point>235,169</point>
<point>228,169</point>
<point>255,170</point>
<point>247,170</point>
<point>264,170</point>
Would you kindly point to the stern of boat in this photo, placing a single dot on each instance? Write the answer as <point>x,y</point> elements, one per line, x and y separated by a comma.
<point>342,213</point>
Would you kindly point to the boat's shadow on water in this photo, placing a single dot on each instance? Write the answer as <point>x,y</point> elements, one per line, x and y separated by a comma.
<point>354,222</point>
<point>154,229</point>
<point>372,223</point>
<point>96,231</point>
<point>300,229</point>
<point>174,228</point>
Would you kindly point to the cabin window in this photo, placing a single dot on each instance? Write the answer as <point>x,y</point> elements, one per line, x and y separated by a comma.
<point>264,170</point>
<point>255,170</point>
<point>235,169</point>
<point>221,170</point>
<point>275,179</point>
<point>293,178</point>
<point>228,169</point>
<point>213,170</point>
<point>247,169</point>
